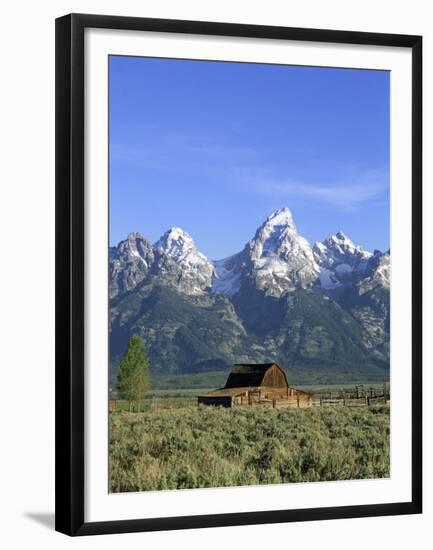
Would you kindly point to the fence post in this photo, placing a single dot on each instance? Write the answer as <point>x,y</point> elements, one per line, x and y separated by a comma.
<point>297,399</point>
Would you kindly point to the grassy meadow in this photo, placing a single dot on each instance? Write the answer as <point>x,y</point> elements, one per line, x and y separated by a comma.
<point>184,446</point>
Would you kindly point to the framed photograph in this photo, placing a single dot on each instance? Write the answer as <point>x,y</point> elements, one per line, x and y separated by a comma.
<point>238,274</point>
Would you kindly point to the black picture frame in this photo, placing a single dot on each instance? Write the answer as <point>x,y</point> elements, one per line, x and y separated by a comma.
<point>70,282</point>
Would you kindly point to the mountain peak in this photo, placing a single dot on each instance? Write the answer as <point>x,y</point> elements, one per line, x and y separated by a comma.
<point>340,260</point>
<point>339,245</point>
<point>283,216</point>
<point>135,235</point>
<point>340,238</point>
<point>276,231</point>
<point>275,234</point>
<point>281,259</point>
<point>180,265</point>
<point>342,243</point>
<point>135,245</point>
<point>340,235</point>
<point>175,242</point>
<point>177,233</point>
<point>130,262</point>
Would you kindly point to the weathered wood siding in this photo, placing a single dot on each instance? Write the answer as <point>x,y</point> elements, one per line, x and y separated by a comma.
<point>275,377</point>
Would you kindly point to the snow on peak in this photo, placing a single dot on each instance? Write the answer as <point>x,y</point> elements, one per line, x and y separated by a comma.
<point>178,233</point>
<point>339,245</point>
<point>180,264</point>
<point>277,260</point>
<point>342,241</point>
<point>378,272</point>
<point>135,245</point>
<point>175,243</point>
<point>276,235</point>
<point>340,260</point>
<point>340,235</point>
<point>135,235</point>
<point>281,258</point>
<point>273,234</point>
<point>227,275</point>
<point>283,216</point>
<point>130,262</point>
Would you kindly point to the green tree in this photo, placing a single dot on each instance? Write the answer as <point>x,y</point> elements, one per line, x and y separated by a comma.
<point>133,375</point>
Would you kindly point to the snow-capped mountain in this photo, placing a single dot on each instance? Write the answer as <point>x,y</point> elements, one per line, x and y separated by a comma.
<point>281,259</point>
<point>340,260</point>
<point>276,260</point>
<point>173,261</point>
<point>178,263</point>
<point>280,298</point>
<point>377,273</point>
<point>129,263</point>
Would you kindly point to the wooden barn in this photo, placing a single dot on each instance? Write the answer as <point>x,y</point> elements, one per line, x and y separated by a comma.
<point>258,385</point>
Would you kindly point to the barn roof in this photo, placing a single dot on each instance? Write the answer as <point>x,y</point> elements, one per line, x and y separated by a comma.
<point>223,392</point>
<point>245,374</point>
<point>251,367</point>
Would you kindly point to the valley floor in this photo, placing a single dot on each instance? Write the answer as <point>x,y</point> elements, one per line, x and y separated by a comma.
<point>167,448</point>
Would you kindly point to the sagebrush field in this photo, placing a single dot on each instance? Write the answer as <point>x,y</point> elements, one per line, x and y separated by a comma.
<point>194,447</point>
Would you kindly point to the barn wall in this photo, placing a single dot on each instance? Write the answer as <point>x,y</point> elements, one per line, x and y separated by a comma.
<point>274,377</point>
<point>273,393</point>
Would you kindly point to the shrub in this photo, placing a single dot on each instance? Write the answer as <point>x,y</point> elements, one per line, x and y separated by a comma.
<point>194,447</point>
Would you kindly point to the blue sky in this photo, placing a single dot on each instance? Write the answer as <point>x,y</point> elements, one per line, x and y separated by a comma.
<point>215,147</point>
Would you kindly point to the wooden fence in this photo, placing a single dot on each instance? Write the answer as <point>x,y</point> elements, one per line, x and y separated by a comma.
<point>358,396</point>
<point>324,402</point>
<point>351,402</point>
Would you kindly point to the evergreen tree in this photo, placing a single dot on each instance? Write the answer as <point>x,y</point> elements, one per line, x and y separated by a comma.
<point>133,375</point>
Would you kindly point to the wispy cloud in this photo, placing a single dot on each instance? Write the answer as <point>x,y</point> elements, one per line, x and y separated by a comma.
<point>242,166</point>
<point>348,195</point>
<point>179,153</point>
